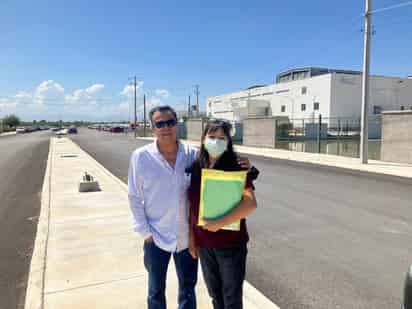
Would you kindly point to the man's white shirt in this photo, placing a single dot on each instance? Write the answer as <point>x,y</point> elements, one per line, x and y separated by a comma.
<point>158,195</point>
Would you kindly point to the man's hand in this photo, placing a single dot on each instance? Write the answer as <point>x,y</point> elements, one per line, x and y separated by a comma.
<point>149,239</point>
<point>193,250</point>
<point>212,225</point>
<point>244,163</point>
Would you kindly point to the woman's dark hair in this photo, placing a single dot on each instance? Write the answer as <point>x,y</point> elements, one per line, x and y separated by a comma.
<point>229,156</point>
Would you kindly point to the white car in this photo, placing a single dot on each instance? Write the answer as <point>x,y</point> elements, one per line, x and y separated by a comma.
<point>21,130</point>
<point>62,132</point>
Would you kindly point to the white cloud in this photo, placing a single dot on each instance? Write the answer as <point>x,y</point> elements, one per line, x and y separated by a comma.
<point>6,104</point>
<point>128,90</point>
<point>124,106</point>
<point>23,96</point>
<point>162,93</point>
<point>49,91</point>
<point>50,100</point>
<point>94,88</point>
<point>154,101</point>
<point>78,96</point>
<point>84,96</point>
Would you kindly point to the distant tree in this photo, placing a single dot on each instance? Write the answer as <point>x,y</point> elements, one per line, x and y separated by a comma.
<point>11,121</point>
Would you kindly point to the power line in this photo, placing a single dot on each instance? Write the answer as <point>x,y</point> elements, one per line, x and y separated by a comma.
<point>399,5</point>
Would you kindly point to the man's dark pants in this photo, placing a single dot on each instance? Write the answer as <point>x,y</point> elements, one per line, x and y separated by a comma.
<point>224,273</point>
<point>156,261</point>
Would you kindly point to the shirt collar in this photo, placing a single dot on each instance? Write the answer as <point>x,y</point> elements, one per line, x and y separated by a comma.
<point>156,150</point>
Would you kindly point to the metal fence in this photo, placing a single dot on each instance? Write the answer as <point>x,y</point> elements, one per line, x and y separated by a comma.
<point>337,136</point>
<point>326,128</point>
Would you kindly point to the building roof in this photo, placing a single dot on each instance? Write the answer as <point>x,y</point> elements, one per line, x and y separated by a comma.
<point>320,69</point>
<point>307,72</point>
<point>255,86</point>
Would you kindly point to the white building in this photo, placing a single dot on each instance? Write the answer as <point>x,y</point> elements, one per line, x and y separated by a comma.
<point>308,92</point>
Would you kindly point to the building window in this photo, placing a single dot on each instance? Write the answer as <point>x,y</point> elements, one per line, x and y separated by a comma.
<point>304,90</point>
<point>303,107</point>
<point>210,104</point>
<point>316,106</point>
<point>402,108</point>
<point>282,91</point>
<point>283,108</point>
<point>377,110</point>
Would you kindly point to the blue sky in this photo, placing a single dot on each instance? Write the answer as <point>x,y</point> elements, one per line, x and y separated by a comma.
<point>72,59</point>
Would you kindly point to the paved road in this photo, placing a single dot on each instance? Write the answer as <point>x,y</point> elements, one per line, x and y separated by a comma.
<point>321,238</point>
<point>22,165</point>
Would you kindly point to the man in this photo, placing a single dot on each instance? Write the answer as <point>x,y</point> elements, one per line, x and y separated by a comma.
<point>157,195</point>
<point>158,200</point>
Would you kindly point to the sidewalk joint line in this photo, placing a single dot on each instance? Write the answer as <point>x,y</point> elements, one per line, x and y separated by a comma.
<point>94,284</point>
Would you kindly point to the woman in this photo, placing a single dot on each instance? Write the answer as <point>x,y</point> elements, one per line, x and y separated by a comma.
<point>222,253</point>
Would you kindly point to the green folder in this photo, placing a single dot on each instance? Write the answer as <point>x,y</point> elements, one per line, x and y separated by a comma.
<point>220,192</point>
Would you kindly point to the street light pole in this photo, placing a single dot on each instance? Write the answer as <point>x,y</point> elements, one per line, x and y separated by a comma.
<point>365,82</point>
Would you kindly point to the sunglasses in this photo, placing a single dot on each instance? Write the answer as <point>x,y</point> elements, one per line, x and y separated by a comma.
<point>165,123</point>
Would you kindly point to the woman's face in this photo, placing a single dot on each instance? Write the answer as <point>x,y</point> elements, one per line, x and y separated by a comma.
<point>218,134</point>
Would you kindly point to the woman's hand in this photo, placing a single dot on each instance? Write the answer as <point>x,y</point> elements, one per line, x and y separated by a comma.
<point>244,163</point>
<point>212,225</point>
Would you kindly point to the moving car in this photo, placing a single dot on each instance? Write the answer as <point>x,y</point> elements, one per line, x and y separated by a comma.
<point>72,130</point>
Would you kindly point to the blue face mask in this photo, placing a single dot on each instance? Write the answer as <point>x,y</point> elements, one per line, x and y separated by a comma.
<point>215,147</point>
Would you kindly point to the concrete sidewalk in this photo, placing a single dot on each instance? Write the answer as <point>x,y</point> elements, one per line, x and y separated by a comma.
<point>376,167</point>
<point>86,254</point>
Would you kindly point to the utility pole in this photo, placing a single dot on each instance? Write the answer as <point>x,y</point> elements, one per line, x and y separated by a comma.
<point>135,113</point>
<point>197,99</point>
<point>365,82</point>
<point>144,115</point>
<point>188,108</point>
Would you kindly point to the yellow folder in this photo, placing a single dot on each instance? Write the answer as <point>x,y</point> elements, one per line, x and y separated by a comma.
<point>220,192</point>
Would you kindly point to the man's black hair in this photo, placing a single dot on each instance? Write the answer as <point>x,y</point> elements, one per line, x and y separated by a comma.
<point>161,109</point>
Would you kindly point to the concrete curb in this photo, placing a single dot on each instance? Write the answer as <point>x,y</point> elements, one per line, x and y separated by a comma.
<point>8,133</point>
<point>35,286</point>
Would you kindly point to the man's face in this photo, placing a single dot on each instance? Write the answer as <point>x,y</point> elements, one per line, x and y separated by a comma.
<point>166,133</point>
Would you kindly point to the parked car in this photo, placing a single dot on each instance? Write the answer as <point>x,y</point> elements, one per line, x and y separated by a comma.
<point>117,129</point>
<point>55,129</point>
<point>407,294</point>
<point>21,130</point>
